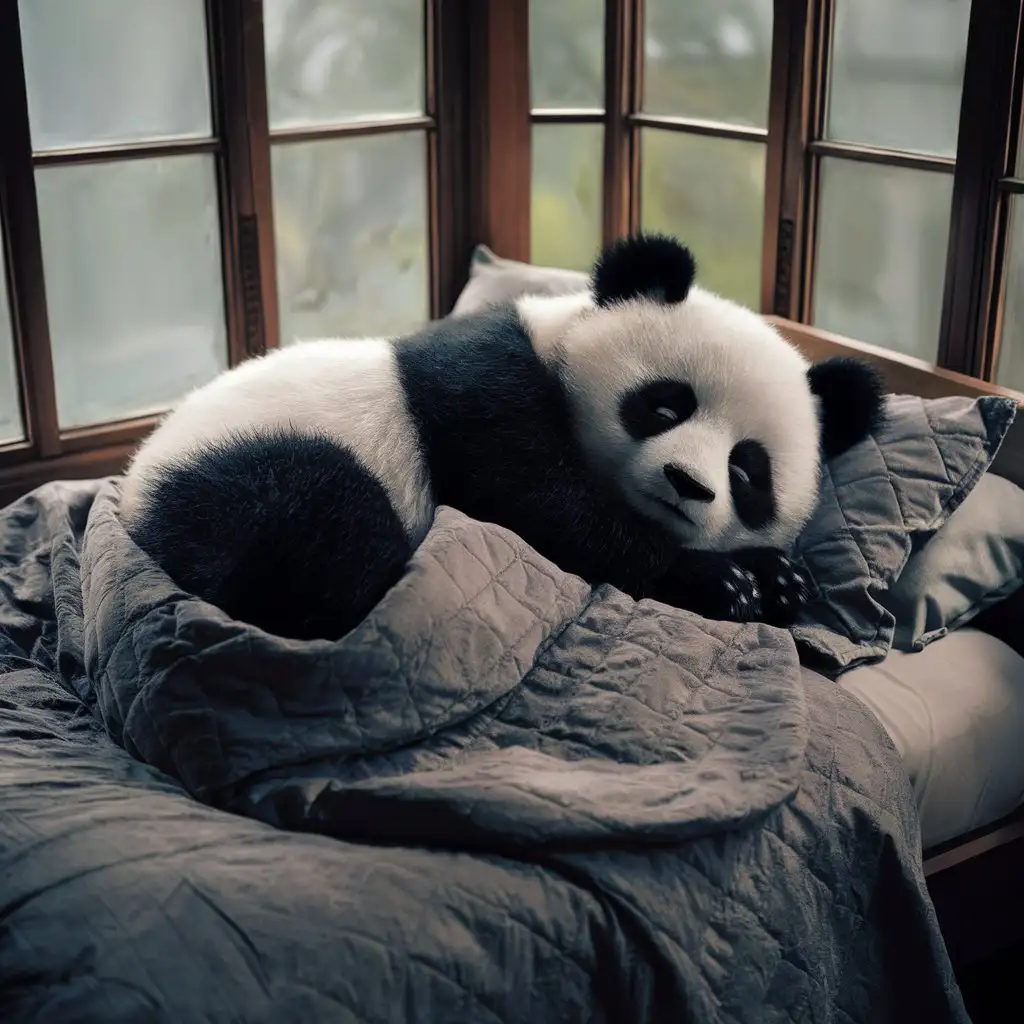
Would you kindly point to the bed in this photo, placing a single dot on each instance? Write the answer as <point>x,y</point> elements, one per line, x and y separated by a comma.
<point>972,853</point>
<point>508,796</point>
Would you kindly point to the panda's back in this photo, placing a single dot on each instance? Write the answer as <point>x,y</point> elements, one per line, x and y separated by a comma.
<point>291,491</point>
<point>348,391</point>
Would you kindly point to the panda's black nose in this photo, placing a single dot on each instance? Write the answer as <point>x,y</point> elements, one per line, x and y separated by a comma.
<point>686,486</point>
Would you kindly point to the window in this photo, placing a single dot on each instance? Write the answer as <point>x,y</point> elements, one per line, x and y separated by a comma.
<point>848,163</point>
<point>185,183</point>
<point>703,121</point>
<point>346,87</point>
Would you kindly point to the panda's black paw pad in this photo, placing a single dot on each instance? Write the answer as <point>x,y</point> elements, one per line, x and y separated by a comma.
<point>785,589</point>
<point>740,595</point>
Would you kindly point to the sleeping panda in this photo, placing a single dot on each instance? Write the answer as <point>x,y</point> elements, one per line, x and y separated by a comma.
<point>645,434</point>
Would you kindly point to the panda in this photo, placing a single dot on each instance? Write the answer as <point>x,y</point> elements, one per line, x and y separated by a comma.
<point>646,434</point>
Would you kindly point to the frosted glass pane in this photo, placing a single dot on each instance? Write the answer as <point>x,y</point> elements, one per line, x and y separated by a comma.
<point>710,194</point>
<point>881,262</point>
<point>567,53</point>
<point>11,428</point>
<point>565,203</point>
<point>330,61</point>
<point>100,72</point>
<point>131,254</point>
<point>708,59</point>
<point>897,73</point>
<point>1010,368</point>
<point>350,220</point>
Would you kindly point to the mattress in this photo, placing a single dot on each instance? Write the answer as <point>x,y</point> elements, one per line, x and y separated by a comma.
<point>955,712</point>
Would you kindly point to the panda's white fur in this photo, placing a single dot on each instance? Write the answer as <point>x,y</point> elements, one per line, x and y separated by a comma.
<point>292,488</point>
<point>347,389</point>
<point>750,382</point>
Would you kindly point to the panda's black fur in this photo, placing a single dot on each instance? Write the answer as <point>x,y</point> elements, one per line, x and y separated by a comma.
<point>287,530</point>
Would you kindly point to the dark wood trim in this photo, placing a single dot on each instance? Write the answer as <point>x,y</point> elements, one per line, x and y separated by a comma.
<point>948,855</point>
<point>566,115</point>
<point>129,431</point>
<point>697,126</point>
<point>20,215</point>
<point>977,890</point>
<point>350,129</point>
<point>822,22</point>
<point>903,374</point>
<point>84,465</point>
<point>234,188</point>
<point>972,271</point>
<point>448,105</point>
<point>886,157</point>
<point>788,119</point>
<point>433,190</point>
<point>1011,186</point>
<point>618,82</point>
<point>256,228</point>
<point>500,129</point>
<point>135,151</point>
<point>633,104</point>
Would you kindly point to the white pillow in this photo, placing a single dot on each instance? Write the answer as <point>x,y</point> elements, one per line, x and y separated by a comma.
<point>494,279</point>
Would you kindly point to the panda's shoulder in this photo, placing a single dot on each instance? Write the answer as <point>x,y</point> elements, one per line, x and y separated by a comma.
<point>488,352</point>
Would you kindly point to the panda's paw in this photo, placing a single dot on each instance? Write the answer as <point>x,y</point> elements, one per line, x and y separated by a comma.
<point>714,586</point>
<point>784,588</point>
<point>729,594</point>
<point>742,599</point>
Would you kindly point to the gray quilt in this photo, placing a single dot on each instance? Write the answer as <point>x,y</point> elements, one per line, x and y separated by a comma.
<point>506,797</point>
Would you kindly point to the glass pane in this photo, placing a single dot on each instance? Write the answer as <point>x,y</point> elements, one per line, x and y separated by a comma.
<point>709,193</point>
<point>567,53</point>
<point>892,94</point>
<point>1010,369</point>
<point>708,59</point>
<point>565,198</point>
<point>330,61</point>
<point>881,262</point>
<point>11,428</point>
<point>131,254</point>
<point>100,72</point>
<point>350,219</point>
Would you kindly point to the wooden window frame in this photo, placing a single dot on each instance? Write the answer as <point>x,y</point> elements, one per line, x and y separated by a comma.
<point>240,143</point>
<point>982,172</point>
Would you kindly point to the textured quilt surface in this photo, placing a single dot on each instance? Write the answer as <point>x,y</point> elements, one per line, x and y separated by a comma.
<point>504,797</point>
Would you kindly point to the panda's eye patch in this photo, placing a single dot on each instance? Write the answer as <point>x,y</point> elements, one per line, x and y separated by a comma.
<point>656,407</point>
<point>750,465</point>
<point>750,477</point>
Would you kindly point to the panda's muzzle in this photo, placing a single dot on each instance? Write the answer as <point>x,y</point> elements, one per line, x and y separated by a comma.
<point>686,486</point>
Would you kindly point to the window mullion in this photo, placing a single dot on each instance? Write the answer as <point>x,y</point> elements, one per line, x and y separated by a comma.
<point>500,126</point>
<point>238,73</point>
<point>20,216</point>
<point>972,271</point>
<point>620,69</point>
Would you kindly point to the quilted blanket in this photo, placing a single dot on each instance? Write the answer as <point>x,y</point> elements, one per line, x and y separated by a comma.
<point>505,797</point>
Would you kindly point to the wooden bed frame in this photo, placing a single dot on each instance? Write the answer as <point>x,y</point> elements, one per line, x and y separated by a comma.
<point>976,881</point>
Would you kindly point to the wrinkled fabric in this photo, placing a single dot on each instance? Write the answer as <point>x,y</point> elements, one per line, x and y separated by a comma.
<point>505,796</point>
<point>881,500</point>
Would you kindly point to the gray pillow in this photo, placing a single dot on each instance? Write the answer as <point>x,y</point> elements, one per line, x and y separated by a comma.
<point>975,560</point>
<point>494,279</point>
<point>882,500</point>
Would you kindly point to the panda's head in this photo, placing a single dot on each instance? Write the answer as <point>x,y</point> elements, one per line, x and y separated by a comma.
<point>709,421</point>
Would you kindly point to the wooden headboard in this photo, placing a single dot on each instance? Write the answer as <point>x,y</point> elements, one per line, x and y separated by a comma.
<point>910,376</point>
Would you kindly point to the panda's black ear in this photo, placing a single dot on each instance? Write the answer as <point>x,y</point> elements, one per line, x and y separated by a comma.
<point>852,399</point>
<point>643,266</point>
